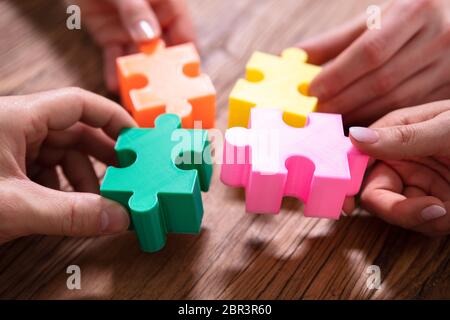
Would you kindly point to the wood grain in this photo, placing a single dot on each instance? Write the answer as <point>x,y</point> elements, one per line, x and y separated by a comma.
<point>237,255</point>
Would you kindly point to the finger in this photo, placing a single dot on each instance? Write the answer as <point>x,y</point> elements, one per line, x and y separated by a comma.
<point>78,169</point>
<point>349,206</point>
<point>414,114</point>
<point>106,28</point>
<point>167,10</point>
<point>139,19</point>
<point>60,109</point>
<point>181,30</point>
<point>174,17</point>
<point>422,178</point>
<point>327,46</point>
<point>437,167</point>
<point>406,63</point>
<point>410,92</point>
<point>110,54</point>
<point>57,212</point>
<point>89,140</point>
<point>420,139</point>
<point>371,50</point>
<point>382,196</point>
<point>442,93</point>
<point>76,166</point>
<point>437,227</point>
<point>413,192</point>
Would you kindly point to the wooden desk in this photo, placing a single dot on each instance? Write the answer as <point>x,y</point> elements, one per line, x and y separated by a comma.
<point>237,255</point>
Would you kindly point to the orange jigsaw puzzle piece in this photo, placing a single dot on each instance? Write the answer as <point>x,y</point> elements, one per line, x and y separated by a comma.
<point>166,80</point>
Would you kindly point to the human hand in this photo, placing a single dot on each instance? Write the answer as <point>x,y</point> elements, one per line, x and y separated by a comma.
<point>41,131</point>
<point>372,72</point>
<point>119,25</point>
<point>410,184</point>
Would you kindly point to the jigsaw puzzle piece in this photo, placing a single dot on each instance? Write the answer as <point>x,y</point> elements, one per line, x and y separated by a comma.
<point>278,82</point>
<point>317,163</point>
<point>158,181</point>
<point>166,80</point>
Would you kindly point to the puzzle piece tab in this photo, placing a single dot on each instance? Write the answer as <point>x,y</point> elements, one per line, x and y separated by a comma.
<point>162,172</point>
<point>278,82</point>
<point>317,163</point>
<point>166,80</point>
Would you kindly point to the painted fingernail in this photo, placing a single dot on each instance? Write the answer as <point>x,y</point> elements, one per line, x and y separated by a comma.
<point>143,31</point>
<point>364,135</point>
<point>114,219</point>
<point>433,212</point>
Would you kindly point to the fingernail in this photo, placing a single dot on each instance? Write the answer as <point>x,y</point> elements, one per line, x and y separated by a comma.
<point>433,212</point>
<point>143,31</point>
<point>364,135</point>
<point>114,219</point>
<point>343,213</point>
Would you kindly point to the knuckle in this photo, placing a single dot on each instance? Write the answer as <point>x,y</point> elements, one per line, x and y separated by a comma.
<point>333,80</point>
<point>331,88</point>
<point>445,37</point>
<point>383,83</point>
<point>412,7</point>
<point>405,135</point>
<point>37,125</point>
<point>76,95</point>
<point>84,216</point>
<point>398,115</point>
<point>428,5</point>
<point>68,221</point>
<point>76,92</point>
<point>374,51</point>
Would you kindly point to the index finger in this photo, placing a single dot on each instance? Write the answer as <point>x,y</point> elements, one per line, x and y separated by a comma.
<point>174,17</point>
<point>60,109</point>
<point>410,115</point>
<point>369,51</point>
<point>139,19</point>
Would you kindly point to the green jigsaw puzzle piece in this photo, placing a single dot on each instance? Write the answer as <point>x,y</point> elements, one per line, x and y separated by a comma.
<point>162,171</point>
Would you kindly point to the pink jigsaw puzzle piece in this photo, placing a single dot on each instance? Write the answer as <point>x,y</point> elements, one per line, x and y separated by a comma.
<point>317,163</point>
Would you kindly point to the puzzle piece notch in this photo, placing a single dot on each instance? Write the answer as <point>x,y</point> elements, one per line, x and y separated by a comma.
<point>278,82</point>
<point>161,195</point>
<point>317,163</point>
<point>166,80</point>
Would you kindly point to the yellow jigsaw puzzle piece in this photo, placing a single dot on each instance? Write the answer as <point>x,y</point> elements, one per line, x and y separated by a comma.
<point>274,82</point>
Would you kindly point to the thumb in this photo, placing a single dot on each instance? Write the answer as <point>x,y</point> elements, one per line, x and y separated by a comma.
<point>421,139</point>
<point>34,209</point>
<point>409,213</point>
<point>139,19</point>
<point>382,195</point>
